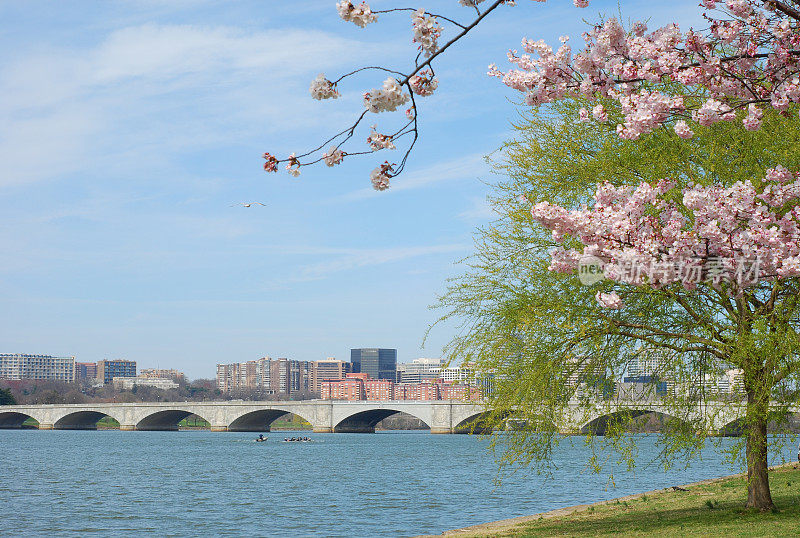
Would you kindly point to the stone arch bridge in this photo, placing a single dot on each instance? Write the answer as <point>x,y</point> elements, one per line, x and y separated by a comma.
<point>331,416</point>
<point>326,416</point>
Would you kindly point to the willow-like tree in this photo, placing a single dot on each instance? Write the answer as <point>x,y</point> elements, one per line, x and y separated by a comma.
<point>573,189</point>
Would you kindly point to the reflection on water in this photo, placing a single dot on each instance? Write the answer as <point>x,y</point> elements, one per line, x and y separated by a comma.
<point>197,482</point>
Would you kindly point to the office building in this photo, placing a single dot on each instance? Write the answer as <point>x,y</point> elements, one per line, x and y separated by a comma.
<point>85,371</point>
<point>127,383</point>
<point>330,369</point>
<point>107,370</point>
<point>273,376</point>
<point>419,370</point>
<point>351,388</point>
<point>377,363</point>
<point>44,367</point>
<point>163,373</point>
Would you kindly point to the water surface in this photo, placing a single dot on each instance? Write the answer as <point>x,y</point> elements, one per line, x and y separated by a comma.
<point>83,483</point>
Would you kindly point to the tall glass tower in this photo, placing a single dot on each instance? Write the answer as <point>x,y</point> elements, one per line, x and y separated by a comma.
<point>376,362</point>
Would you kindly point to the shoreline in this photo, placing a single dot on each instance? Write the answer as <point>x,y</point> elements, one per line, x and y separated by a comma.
<point>505,525</point>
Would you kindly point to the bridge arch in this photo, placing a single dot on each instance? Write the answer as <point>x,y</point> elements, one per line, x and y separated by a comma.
<point>165,419</point>
<point>14,420</point>
<point>259,420</point>
<point>478,422</point>
<point>81,420</point>
<point>365,421</point>
<point>599,425</point>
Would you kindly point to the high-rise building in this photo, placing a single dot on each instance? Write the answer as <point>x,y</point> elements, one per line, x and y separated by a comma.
<point>289,376</point>
<point>162,373</point>
<point>46,367</point>
<point>419,370</point>
<point>275,376</point>
<point>85,371</point>
<point>107,369</point>
<point>378,363</point>
<point>327,369</point>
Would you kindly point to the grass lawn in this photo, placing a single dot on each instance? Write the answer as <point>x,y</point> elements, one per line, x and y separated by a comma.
<point>707,509</point>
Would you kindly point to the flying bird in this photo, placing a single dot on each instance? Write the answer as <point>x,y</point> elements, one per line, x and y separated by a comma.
<point>248,204</point>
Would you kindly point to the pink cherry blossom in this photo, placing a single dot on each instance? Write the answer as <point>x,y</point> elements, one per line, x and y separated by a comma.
<point>752,122</point>
<point>333,156</point>
<point>426,31</point>
<point>360,15</point>
<point>730,236</point>
<point>271,164</point>
<point>387,98</point>
<point>423,83</point>
<point>748,56</point>
<point>293,166</point>
<point>600,114</point>
<point>380,176</point>
<point>609,300</point>
<point>378,141</point>
<point>322,88</point>
<point>683,130</point>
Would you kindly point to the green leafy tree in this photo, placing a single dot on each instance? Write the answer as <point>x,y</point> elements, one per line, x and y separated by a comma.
<point>552,348</point>
<point>6,398</point>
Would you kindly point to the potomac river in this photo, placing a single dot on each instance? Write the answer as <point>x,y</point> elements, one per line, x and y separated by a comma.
<point>84,483</point>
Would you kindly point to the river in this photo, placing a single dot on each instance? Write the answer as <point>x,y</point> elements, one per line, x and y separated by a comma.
<point>83,483</point>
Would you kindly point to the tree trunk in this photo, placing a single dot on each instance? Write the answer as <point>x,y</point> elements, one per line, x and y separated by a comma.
<point>758,494</point>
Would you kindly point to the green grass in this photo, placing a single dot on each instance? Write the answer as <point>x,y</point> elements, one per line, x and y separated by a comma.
<point>715,509</point>
<point>290,422</point>
<point>193,421</point>
<point>107,422</point>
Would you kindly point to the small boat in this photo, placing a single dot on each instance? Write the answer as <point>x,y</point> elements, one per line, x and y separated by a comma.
<point>260,439</point>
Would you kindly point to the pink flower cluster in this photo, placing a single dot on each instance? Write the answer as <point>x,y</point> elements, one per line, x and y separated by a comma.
<point>387,98</point>
<point>426,31</point>
<point>322,88</point>
<point>293,166</point>
<point>333,156</point>
<point>360,15</point>
<point>753,220</point>
<point>749,55</point>
<point>378,141</point>
<point>380,176</point>
<point>423,83</point>
<point>271,164</point>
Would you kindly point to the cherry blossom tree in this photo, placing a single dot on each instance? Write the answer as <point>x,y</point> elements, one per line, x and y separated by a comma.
<point>697,244</point>
<point>747,58</point>
<point>740,244</point>
<point>723,255</point>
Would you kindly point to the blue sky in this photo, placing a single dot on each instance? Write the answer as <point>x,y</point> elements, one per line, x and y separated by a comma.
<point>129,128</point>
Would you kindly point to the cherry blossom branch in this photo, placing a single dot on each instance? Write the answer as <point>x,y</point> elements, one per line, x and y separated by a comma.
<point>461,34</point>
<point>451,21</point>
<point>780,6</point>
<point>421,81</point>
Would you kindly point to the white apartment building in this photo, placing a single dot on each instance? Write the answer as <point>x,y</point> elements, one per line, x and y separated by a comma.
<point>44,367</point>
<point>127,383</point>
<point>419,370</point>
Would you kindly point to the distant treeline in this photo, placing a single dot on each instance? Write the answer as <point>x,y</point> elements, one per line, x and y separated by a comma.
<point>58,392</point>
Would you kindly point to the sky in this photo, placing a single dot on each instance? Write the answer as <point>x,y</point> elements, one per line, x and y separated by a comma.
<point>130,130</point>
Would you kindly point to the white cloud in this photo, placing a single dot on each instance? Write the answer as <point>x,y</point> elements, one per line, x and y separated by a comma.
<point>146,93</point>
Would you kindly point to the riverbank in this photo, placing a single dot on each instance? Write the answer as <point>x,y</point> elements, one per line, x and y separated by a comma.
<point>706,508</point>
